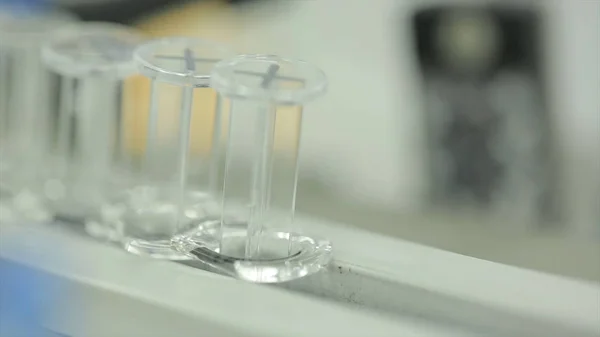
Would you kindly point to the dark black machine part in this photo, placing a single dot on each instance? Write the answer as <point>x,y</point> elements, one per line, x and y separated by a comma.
<point>127,11</point>
<point>466,141</point>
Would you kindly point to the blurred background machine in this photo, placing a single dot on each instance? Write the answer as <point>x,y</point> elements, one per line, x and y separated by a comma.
<point>504,166</point>
<point>490,134</point>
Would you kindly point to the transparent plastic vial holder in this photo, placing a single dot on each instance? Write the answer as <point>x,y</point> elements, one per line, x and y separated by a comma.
<point>173,188</point>
<point>28,102</point>
<point>88,154</point>
<point>255,238</point>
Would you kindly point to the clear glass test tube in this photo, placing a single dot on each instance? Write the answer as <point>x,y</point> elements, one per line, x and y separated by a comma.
<point>93,60</point>
<point>28,102</point>
<point>256,239</point>
<point>174,189</point>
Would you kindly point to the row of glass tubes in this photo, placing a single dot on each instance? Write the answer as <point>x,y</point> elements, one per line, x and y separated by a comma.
<point>71,151</point>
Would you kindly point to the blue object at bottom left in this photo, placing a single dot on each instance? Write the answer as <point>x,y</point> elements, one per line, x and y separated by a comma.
<point>25,297</point>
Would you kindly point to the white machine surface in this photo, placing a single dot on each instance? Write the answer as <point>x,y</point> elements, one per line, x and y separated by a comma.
<point>377,287</point>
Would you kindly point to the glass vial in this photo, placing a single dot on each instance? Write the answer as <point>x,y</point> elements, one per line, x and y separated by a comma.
<point>171,192</point>
<point>93,61</point>
<point>28,103</point>
<point>255,238</point>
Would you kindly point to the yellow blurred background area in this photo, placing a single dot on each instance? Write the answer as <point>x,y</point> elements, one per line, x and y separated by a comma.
<point>211,20</point>
<point>194,19</point>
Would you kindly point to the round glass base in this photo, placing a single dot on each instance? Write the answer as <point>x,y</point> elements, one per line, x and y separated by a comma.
<point>160,249</point>
<point>281,256</point>
<point>101,231</point>
<point>25,205</point>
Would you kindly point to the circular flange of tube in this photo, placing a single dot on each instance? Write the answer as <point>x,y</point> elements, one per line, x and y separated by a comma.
<point>94,48</point>
<point>182,61</point>
<point>268,78</point>
<point>308,255</point>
